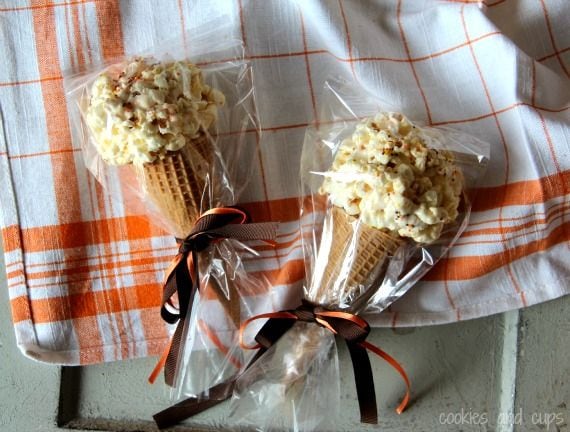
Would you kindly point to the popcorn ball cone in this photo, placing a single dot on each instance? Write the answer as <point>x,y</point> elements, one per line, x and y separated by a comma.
<point>344,272</point>
<point>176,183</point>
<point>391,190</point>
<point>156,117</point>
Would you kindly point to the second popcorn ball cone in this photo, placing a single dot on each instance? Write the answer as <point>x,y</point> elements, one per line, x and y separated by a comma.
<point>386,187</point>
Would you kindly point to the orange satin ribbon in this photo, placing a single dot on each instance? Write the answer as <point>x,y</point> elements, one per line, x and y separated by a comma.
<point>160,364</point>
<point>325,318</point>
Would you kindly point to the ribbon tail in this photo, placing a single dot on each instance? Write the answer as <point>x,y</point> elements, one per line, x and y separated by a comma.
<point>173,355</point>
<point>178,279</point>
<point>160,364</point>
<point>392,362</point>
<point>187,284</point>
<point>187,408</point>
<point>194,405</point>
<point>169,288</point>
<point>364,381</point>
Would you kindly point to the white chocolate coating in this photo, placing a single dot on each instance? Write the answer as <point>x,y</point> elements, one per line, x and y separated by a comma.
<point>386,175</point>
<point>149,110</point>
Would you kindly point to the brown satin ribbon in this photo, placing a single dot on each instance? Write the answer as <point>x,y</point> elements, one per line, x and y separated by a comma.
<point>351,328</point>
<point>182,278</point>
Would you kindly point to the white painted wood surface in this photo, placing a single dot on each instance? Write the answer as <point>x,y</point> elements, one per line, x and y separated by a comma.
<point>504,373</point>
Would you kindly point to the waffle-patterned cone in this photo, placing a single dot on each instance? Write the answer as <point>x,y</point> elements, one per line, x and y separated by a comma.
<point>371,250</point>
<point>176,183</point>
<point>177,186</point>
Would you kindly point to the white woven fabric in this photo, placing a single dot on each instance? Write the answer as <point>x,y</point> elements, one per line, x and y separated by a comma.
<point>84,275</point>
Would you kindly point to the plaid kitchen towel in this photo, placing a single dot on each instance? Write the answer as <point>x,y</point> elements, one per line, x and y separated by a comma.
<point>84,275</point>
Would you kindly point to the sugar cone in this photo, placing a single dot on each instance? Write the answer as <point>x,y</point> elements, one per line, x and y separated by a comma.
<point>351,257</point>
<point>357,256</point>
<point>176,183</point>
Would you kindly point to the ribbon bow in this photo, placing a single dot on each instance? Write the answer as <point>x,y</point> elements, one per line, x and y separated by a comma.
<point>182,277</point>
<point>351,328</point>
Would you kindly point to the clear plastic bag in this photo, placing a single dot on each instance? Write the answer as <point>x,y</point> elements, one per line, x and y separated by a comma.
<point>171,132</point>
<point>387,198</point>
<point>211,353</point>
